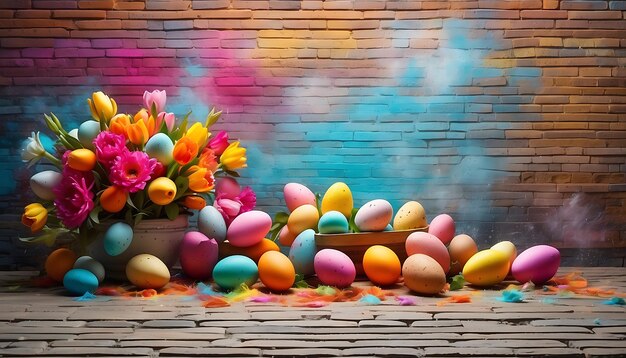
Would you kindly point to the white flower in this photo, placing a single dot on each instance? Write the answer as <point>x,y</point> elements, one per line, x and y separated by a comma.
<point>33,149</point>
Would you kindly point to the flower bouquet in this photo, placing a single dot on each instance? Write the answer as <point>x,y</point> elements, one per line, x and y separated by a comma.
<point>124,168</point>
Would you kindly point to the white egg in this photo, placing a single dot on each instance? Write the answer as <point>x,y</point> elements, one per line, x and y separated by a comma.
<point>42,183</point>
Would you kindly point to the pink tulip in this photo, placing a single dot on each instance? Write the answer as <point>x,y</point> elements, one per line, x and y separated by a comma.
<point>156,97</point>
<point>228,208</point>
<point>219,143</point>
<point>169,119</point>
<point>227,188</point>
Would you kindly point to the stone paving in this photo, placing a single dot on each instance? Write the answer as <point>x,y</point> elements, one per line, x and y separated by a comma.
<point>45,322</point>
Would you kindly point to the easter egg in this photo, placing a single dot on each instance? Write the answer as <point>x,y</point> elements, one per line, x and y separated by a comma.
<point>162,190</point>
<point>461,248</point>
<point>90,264</point>
<point>286,237</point>
<point>302,218</point>
<point>254,252</point>
<point>486,268</point>
<point>297,195</point>
<point>302,252</point>
<point>388,228</point>
<point>117,238</point>
<point>80,281</point>
<point>160,147</point>
<point>374,215</point>
<point>232,271</point>
<point>211,223</point>
<point>73,133</point>
<point>113,199</point>
<point>81,159</point>
<point>442,226</point>
<point>59,262</point>
<point>198,255</point>
<point>423,274</point>
<point>87,132</point>
<point>276,271</point>
<point>249,228</point>
<point>333,222</point>
<point>429,245</point>
<point>381,265</point>
<point>42,183</point>
<point>147,271</point>
<point>334,268</point>
<point>537,264</point>
<point>508,248</point>
<point>410,216</point>
<point>338,198</point>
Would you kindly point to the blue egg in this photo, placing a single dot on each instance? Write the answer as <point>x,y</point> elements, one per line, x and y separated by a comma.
<point>160,146</point>
<point>211,223</point>
<point>333,222</point>
<point>232,271</point>
<point>87,132</point>
<point>117,238</point>
<point>79,281</point>
<point>388,228</point>
<point>302,252</point>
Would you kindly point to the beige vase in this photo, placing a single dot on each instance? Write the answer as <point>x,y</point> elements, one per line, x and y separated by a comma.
<point>158,237</point>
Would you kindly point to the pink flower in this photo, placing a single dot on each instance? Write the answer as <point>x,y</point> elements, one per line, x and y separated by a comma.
<point>131,170</point>
<point>108,146</point>
<point>155,97</point>
<point>247,198</point>
<point>219,143</point>
<point>228,188</point>
<point>73,196</point>
<point>229,208</point>
<point>169,118</point>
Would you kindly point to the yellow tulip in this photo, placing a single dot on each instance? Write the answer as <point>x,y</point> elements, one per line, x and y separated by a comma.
<point>35,216</point>
<point>138,133</point>
<point>201,180</point>
<point>113,199</point>
<point>162,191</point>
<point>234,157</point>
<point>199,134</point>
<point>102,107</point>
<point>82,160</point>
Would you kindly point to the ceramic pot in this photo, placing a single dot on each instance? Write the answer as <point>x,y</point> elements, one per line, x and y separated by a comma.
<point>158,237</point>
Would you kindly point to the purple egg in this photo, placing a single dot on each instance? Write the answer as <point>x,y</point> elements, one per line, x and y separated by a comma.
<point>537,264</point>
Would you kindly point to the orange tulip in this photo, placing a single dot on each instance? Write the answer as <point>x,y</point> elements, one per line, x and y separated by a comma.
<point>208,160</point>
<point>119,123</point>
<point>138,133</point>
<point>194,202</point>
<point>185,150</point>
<point>35,216</point>
<point>113,199</point>
<point>201,180</point>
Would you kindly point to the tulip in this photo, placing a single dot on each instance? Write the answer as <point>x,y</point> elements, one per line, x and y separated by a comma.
<point>82,160</point>
<point>185,150</point>
<point>33,151</point>
<point>156,97</point>
<point>119,124</point>
<point>35,217</point>
<point>169,118</point>
<point>194,202</point>
<point>234,157</point>
<point>208,160</point>
<point>201,180</point>
<point>102,107</point>
<point>148,121</point>
<point>198,133</point>
<point>162,191</point>
<point>113,199</point>
<point>138,133</point>
<point>219,143</point>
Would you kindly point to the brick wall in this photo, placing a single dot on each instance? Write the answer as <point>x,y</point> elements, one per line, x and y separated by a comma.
<point>509,115</point>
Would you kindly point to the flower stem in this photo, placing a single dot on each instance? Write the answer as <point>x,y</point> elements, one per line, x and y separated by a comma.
<point>54,160</point>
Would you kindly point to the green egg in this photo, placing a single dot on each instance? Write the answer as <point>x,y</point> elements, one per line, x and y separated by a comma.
<point>232,271</point>
<point>160,146</point>
<point>333,222</point>
<point>87,132</point>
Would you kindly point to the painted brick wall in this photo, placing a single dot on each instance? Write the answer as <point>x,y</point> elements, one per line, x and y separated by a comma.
<point>508,114</point>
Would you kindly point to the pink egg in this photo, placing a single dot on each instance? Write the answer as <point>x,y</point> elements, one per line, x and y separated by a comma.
<point>249,228</point>
<point>334,268</point>
<point>297,195</point>
<point>198,255</point>
<point>537,264</point>
<point>374,215</point>
<point>429,245</point>
<point>443,228</point>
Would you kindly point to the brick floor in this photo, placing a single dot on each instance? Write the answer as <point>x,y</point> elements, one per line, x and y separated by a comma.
<point>46,322</point>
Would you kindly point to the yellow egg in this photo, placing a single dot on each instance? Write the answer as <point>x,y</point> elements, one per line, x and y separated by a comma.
<point>338,198</point>
<point>381,265</point>
<point>276,271</point>
<point>508,248</point>
<point>410,216</point>
<point>304,217</point>
<point>147,271</point>
<point>162,191</point>
<point>486,268</point>
<point>461,248</point>
<point>423,274</point>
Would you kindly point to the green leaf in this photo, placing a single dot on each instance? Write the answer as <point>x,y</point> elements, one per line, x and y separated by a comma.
<point>130,203</point>
<point>182,184</point>
<point>138,218</point>
<point>93,214</point>
<point>172,211</point>
<point>212,117</point>
<point>153,111</point>
<point>351,223</point>
<point>281,217</point>
<point>75,143</point>
<point>300,282</point>
<point>231,173</point>
<point>140,198</point>
<point>457,282</point>
<point>128,216</point>
<point>48,237</point>
<point>51,125</point>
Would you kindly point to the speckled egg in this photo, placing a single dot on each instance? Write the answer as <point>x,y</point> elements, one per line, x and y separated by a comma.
<point>117,238</point>
<point>333,222</point>
<point>87,132</point>
<point>211,223</point>
<point>537,264</point>
<point>147,271</point>
<point>198,255</point>
<point>276,271</point>
<point>375,215</point>
<point>233,271</point>
<point>297,195</point>
<point>90,264</point>
<point>381,265</point>
<point>79,281</point>
<point>461,248</point>
<point>338,198</point>
<point>443,227</point>
<point>59,262</point>
<point>160,147</point>
<point>424,275</point>
<point>302,252</point>
<point>302,218</point>
<point>427,244</point>
<point>410,216</point>
<point>249,228</point>
<point>486,268</point>
<point>42,183</point>
<point>334,268</point>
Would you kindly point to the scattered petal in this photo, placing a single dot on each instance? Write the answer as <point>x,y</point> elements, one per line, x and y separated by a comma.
<point>370,300</point>
<point>406,300</point>
<point>615,301</point>
<point>512,296</point>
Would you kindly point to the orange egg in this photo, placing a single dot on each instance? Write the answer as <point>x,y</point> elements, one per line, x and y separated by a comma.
<point>59,262</point>
<point>381,265</point>
<point>286,237</point>
<point>461,248</point>
<point>276,271</point>
<point>254,252</point>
